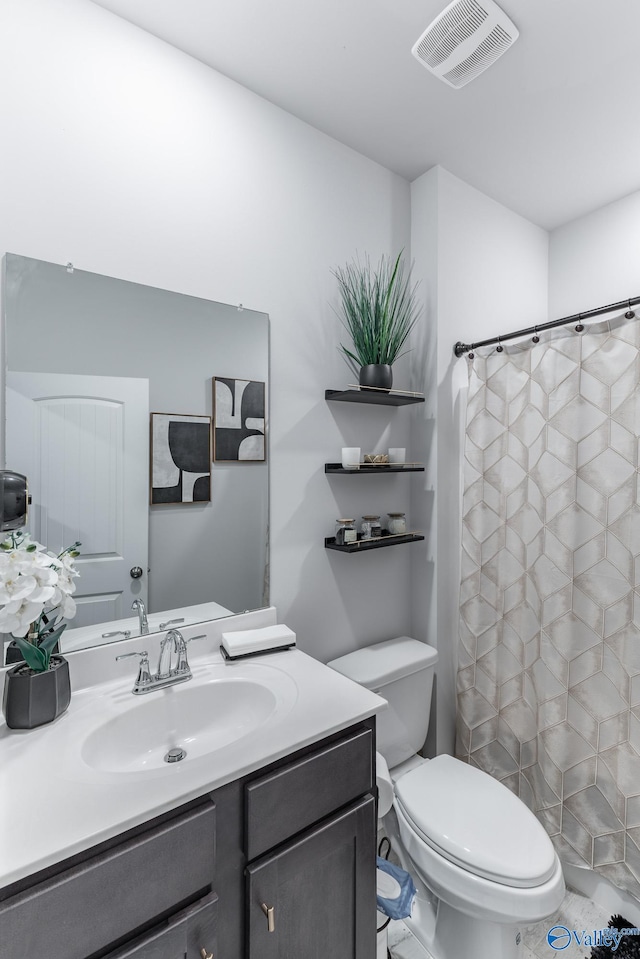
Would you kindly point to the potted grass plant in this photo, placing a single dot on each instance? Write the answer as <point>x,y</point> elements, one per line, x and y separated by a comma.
<point>379,309</point>
<point>36,589</point>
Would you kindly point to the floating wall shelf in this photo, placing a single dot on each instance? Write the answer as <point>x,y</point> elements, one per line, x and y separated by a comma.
<point>365,544</point>
<point>382,470</point>
<point>373,397</point>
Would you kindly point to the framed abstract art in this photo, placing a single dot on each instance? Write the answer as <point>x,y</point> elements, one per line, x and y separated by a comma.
<point>180,458</point>
<point>238,420</point>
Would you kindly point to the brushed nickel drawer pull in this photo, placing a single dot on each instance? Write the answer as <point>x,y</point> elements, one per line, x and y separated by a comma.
<point>205,954</point>
<point>269,912</point>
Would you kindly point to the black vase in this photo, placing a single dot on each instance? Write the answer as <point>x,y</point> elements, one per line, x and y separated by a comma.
<point>378,375</point>
<point>32,699</point>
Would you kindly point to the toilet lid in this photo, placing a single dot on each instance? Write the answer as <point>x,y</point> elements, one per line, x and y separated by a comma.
<point>474,821</point>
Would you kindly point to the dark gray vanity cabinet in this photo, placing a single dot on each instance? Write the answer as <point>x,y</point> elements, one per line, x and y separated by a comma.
<point>297,836</point>
<point>310,837</point>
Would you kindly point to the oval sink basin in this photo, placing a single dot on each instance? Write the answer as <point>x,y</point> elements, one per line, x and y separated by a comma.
<point>199,717</point>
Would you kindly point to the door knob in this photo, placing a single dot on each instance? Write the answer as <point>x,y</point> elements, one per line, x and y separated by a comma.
<point>269,912</point>
<point>135,572</point>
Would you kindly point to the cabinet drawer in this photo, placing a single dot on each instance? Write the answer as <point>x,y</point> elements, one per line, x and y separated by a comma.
<point>184,936</point>
<point>86,908</point>
<point>292,798</point>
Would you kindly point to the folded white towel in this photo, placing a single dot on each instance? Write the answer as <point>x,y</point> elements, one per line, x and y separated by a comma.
<point>246,641</point>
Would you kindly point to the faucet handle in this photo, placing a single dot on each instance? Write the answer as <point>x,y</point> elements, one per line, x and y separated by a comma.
<point>171,622</point>
<point>183,662</point>
<point>143,678</point>
<point>119,632</point>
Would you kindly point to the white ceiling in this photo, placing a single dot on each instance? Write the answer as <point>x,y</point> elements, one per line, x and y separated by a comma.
<point>550,130</point>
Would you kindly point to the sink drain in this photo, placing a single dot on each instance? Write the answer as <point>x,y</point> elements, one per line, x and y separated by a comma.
<point>175,755</point>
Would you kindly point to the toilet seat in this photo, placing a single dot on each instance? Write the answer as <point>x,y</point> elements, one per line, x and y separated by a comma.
<point>475,822</point>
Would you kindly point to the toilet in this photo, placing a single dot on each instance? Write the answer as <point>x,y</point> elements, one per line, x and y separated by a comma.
<point>482,863</point>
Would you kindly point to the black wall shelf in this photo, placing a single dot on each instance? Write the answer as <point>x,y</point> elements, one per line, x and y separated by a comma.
<point>383,470</point>
<point>373,397</point>
<point>362,545</point>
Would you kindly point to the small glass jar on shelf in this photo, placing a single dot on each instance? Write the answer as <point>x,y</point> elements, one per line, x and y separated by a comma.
<point>370,527</point>
<point>346,532</point>
<point>397,524</point>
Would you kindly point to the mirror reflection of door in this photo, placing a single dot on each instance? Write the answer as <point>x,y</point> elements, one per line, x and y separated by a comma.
<point>83,443</point>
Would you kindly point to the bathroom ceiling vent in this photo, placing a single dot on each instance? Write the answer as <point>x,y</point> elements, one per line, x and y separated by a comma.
<point>464,40</point>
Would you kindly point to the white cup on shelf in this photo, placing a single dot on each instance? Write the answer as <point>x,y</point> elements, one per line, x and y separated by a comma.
<point>398,454</point>
<point>350,457</point>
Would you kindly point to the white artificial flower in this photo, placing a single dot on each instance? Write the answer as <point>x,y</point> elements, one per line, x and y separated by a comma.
<point>8,616</point>
<point>19,621</point>
<point>33,582</point>
<point>16,587</point>
<point>68,607</point>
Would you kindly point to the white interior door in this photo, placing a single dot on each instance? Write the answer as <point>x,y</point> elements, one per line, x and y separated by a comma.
<point>83,443</point>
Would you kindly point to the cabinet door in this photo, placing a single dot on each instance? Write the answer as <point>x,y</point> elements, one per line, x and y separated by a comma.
<point>322,890</point>
<point>185,935</point>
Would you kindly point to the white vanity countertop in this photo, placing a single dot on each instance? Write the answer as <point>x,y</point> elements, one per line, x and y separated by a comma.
<point>53,804</point>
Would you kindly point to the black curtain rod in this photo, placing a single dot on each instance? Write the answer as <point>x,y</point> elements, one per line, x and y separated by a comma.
<point>461,348</point>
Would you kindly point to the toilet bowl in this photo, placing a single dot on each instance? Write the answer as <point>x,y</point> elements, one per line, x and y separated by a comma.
<point>482,862</point>
<point>481,852</point>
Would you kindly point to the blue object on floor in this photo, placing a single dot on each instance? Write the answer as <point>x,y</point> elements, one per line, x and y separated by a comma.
<point>395,890</point>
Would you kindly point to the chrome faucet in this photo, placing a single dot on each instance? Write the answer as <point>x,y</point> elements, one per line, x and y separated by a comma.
<point>168,645</point>
<point>142,616</point>
<point>166,674</point>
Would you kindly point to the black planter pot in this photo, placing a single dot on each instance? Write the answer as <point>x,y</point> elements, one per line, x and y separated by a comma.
<point>33,699</point>
<point>378,375</point>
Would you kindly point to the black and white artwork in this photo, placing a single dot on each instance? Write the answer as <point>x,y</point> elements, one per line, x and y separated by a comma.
<point>180,458</point>
<point>239,420</point>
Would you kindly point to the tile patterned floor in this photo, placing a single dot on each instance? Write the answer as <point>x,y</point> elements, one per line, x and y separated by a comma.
<point>576,912</point>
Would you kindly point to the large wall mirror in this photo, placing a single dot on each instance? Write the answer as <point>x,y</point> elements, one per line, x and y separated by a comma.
<point>90,362</point>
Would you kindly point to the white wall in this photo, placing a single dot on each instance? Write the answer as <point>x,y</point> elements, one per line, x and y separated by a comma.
<point>128,158</point>
<point>488,275</point>
<point>594,260</point>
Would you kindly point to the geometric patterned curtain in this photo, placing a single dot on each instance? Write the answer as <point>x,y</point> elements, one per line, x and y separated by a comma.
<point>549,652</point>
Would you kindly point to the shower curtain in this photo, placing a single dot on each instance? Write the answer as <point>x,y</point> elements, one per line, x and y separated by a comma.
<point>549,652</point>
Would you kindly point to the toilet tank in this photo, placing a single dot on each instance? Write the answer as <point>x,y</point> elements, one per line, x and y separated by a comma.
<point>401,670</point>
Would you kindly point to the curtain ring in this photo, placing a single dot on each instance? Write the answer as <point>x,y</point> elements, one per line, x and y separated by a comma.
<point>629,315</point>
<point>470,356</point>
<point>499,347</point>
<point>535,338</point>
<point>580,325</point>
